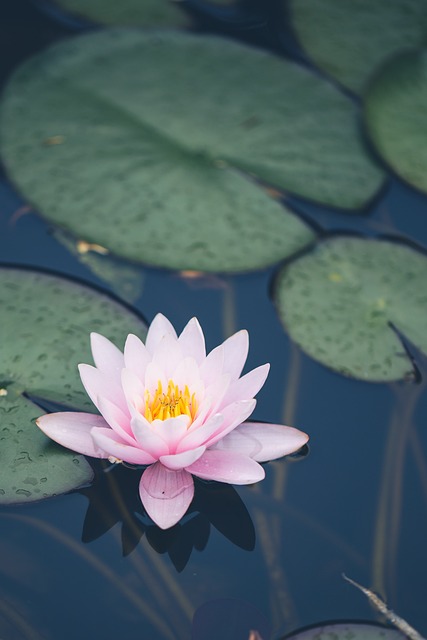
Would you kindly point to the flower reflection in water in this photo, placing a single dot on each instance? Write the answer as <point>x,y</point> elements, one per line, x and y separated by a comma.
<point>113,498</point>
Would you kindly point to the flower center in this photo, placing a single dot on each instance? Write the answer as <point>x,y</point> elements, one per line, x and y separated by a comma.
<point>170,403</point>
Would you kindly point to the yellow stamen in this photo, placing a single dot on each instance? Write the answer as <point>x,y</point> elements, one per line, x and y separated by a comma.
<point>171,403</point>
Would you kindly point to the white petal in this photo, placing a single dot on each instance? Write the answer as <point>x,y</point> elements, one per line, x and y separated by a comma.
<point>192,341</point>
<point>154,374</point>
<point>117,419</point>
<point>235,353</point>
<point>133,390</point>
<point>197,437</point>
<point>214,394</point>
<point>171,430</point>
<point>187,373</point>
<point>233,415</point>
<point>247,386</point>
<point>97,383</point>
<point>181,460</point>
<point>148,439</point>
<point>110,442</point>
<point>107,357</point>
<point>168,355</point>
<point>136,356</point>
<point>212,367</point>
<point>158,328</point>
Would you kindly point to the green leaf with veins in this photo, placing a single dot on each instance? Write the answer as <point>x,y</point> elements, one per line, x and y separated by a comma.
<point>44,334</point>
<point>338,301</point>
<point>351,39</point>
<point>157,161</point>
<point>395,112</point>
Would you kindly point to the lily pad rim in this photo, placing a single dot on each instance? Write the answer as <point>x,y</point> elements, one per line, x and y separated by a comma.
<point>23,394</point>
<point>82,24</point>
<point>292,199</point>
<point>370,86</point>
<point>288,209</point>
<point>55,496</point>
<point>326,237</point>
<point>77,281</point>
<point>343,622</point>
<point>305,66</point>
<point>307,59</point>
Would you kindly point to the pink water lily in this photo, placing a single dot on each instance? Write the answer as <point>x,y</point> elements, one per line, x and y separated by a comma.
<point>168,405</point>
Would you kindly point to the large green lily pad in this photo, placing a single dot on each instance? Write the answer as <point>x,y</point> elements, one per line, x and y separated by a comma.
<point>338,300</point>
<point>44,334</point>
<point>146,13</point>
<point>396,115</point>
<point>350,39</point>
<point>138,142</point>
<point>347,631</point>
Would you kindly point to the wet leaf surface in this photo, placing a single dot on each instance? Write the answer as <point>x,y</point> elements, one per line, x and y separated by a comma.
<point>44,334</point>
<point>338,301</point>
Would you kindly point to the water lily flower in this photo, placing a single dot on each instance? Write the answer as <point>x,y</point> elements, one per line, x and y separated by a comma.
<point>167,405</point>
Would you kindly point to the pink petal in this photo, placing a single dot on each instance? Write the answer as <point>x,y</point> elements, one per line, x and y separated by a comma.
<point>187,373</point>
<point>214,395</point>
<point>107,357</point>
<point>147,438</point>
<point>247,386</point>
<point>263,442</point>
<point>133,390</point>
<point>199,436</point>
<point>158,328</point>
<point>167,355</point>
<point>235,353</point>
<point>110,442</point>
<point>181,460</point>
<point>192,341</point>
<point>227,466</point>
<point>73,430</point>
<point>136,356</point>
<point>212,366</point>
<point>154,374</point>
<point>202,413</point>
<point>171,430</point>
<point>233,415</point>
<point>117,420</point>
<point>166,494</point>
<point>97,383</point>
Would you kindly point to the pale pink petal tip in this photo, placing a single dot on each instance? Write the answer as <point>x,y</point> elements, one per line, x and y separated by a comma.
<point>106,355</point>
<point>192,340</point>
<point>263,442</point>
<point>165,494</point>
<point>159,328</point>
<point>72,430</point>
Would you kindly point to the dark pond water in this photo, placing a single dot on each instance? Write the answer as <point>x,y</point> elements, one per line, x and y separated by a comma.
<point>91,565</point>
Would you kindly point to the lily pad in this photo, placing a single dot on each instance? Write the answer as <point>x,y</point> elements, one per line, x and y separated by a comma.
<point>44,334</point>
<point>347,631</point>
<point>30,467</point>
<point>149,13</point>
<point>124,279</point>
<point>395,109</point>
<point>148,159</point>
<point>338,301</point>
<point>349,40</point>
